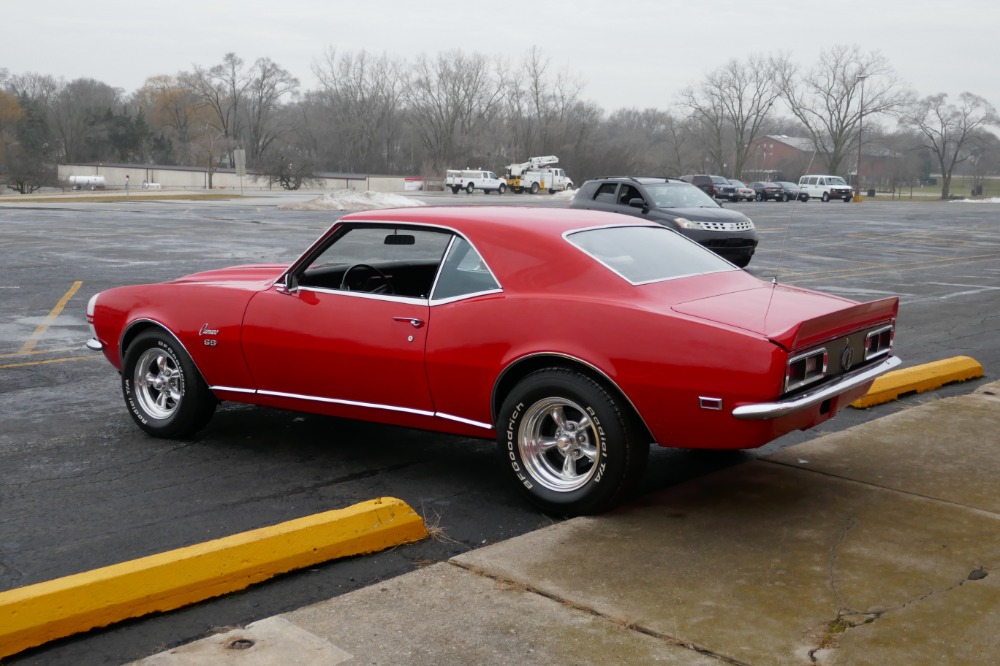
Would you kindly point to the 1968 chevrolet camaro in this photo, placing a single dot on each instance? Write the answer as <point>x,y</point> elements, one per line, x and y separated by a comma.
<point>574,337</point>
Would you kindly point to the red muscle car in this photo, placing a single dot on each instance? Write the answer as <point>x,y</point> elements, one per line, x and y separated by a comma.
<point>575,338</point>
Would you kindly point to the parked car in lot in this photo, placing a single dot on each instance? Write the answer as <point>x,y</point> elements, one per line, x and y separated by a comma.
<point>791,189</point>
<point>743,192</point>
<point>716,187</point>
<point>825,188</point>
<point>575,338</point>
<point>767,191</point>
<point>676,205</point>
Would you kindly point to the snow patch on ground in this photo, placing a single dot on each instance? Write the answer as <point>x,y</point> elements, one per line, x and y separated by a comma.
<point>565,195</point>
<point>990,200</point>
<point>352,200</point>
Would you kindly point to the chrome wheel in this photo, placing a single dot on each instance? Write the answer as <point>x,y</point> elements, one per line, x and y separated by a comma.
<point>558,444</point>
<point>159,384</point>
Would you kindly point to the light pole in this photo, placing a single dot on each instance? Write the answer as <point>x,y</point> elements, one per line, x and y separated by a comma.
<point>861,117</point>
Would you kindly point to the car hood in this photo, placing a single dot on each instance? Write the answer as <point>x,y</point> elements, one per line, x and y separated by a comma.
<point>254,274</point>
<point>706,214</point>
<point>788,316</point>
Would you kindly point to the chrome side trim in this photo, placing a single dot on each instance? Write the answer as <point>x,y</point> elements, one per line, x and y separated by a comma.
<point>349,403</point>
<point>771,410</point>
<point>232,389</point>
<point>459,419</point>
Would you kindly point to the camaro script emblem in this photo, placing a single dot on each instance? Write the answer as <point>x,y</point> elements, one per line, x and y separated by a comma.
<point>205,330</point>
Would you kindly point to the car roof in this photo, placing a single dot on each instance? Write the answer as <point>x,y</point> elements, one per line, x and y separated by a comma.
<point>489,221</point>
<point>519,243</point>
<point>642,180</point>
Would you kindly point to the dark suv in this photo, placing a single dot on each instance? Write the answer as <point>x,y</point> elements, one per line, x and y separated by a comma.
<point>676,205</point>
<point>716,187</point>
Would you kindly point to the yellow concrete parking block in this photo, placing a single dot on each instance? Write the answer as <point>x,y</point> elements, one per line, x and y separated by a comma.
<point>918,379</point>
<point>36,614</point>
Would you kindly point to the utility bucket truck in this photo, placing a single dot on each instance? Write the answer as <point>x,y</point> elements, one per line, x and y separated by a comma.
<point>538,174</point>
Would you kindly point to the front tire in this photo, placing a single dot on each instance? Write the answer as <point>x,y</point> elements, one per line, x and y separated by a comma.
<point>501,189</point>
<point>469,188</point>
<point>826,197</point>
<point>570,446</point>
<point>164,392</point>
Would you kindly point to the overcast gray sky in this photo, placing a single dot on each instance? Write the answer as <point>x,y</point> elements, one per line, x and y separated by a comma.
<point>629,53</point>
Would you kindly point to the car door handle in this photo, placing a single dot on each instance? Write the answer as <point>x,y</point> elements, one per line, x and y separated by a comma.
<point>414,322</point>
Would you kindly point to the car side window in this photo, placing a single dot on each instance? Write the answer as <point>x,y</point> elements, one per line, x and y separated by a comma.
<point>463,273</point>
<point>386,260</point>
<point>627,193</point>
<point>606,193</point>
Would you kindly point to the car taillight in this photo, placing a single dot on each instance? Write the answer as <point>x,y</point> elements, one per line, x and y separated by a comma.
<point>805,369</point>
<point>879,342</point>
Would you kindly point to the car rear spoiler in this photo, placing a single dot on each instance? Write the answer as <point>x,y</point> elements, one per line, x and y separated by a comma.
<point>834,324</point>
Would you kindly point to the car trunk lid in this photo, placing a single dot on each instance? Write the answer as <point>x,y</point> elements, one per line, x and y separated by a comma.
<point>791,317</point>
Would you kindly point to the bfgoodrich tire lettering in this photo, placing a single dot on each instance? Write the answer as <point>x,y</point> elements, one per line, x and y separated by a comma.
<point>163,391</point>
<point>570,447</point>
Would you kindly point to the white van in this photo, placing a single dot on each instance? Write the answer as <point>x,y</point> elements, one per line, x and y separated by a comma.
<point>825,188</point>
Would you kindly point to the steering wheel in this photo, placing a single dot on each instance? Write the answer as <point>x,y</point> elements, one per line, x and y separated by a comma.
<point>384,288</point>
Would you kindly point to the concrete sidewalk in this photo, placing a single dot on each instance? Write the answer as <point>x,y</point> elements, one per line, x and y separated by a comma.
<point>876,545</point>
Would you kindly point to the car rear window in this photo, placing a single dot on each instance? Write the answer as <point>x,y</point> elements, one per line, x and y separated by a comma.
<point>647,254</point>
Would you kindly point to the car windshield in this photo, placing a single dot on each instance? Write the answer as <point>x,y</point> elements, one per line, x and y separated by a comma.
<point>719,180</point>
<point>647,254</point>
<point>679,195</point>
<point>835,180</point>
<point>737,183</point>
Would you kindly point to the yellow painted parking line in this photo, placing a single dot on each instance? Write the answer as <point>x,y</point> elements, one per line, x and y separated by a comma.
<point>33,615</point>
<point>918,379</point>
<point>25,364</point>
<point>39,352</point>
<point>30,343</point>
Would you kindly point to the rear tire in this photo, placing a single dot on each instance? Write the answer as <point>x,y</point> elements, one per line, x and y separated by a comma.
<point>164,392</point>
<point>569,445</point>
<point>534,188</point>
<point>455,189</point>
<point>760,197</point>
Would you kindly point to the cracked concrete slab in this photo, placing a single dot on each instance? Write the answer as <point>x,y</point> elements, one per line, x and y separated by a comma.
<point>755,563</point>
<point>445,615</point>
<point>915,450</point>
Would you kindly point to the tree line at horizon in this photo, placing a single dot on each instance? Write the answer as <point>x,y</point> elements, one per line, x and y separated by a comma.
<point>378,114</point>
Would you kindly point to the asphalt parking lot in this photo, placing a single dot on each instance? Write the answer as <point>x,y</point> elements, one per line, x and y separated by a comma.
<point>81,487</point>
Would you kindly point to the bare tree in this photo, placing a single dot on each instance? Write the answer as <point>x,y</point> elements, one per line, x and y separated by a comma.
<point>268,84</point>
<point>73,110</point>
<point>363,94</point>
<point>827,99</point>
<point>174,110</point>
<point>709,115</point>
<point>951,131</point>
<point>450,98</point>
<point>221,88</point>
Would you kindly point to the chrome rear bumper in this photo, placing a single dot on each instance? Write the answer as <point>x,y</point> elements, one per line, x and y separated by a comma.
<point>771,410</point>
